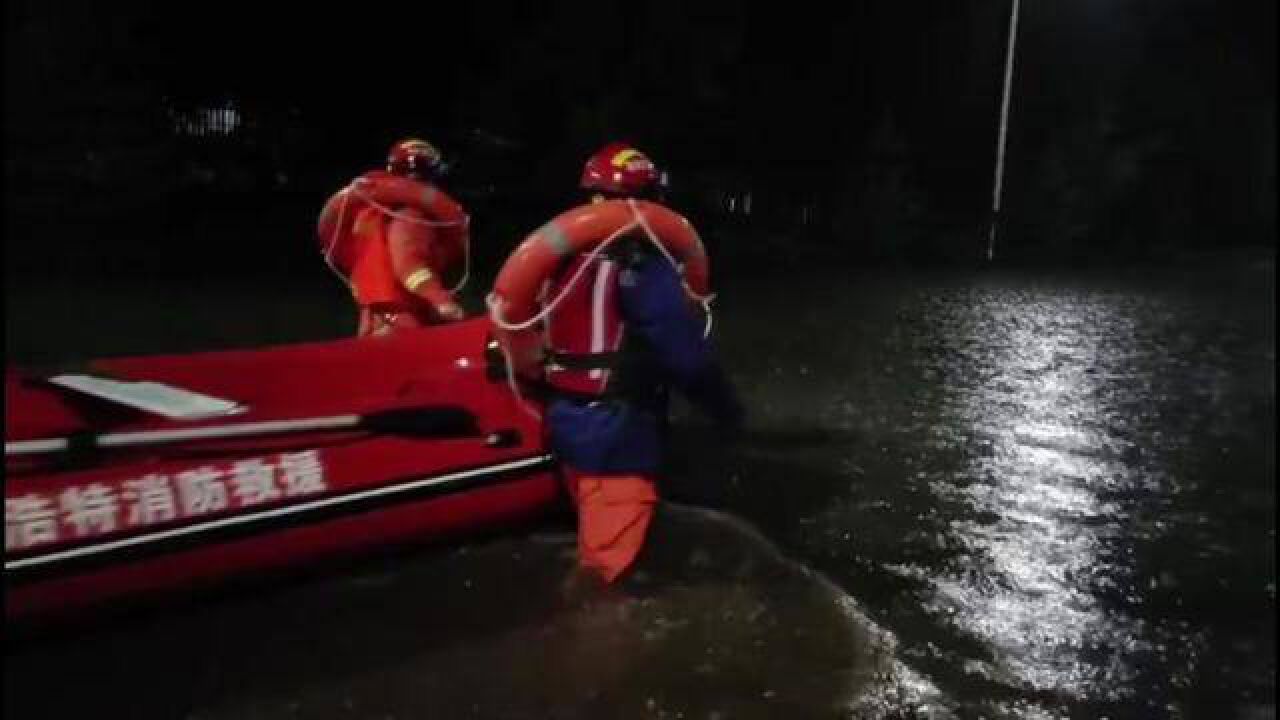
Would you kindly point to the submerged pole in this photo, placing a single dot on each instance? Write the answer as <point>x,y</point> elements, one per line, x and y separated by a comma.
<point>1004,132</point>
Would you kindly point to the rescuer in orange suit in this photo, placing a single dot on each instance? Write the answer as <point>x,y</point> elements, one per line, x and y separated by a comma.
<point>623,333</point>
<point>396,277</point>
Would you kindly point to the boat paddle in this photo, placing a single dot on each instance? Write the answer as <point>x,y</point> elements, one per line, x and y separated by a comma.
<point>427,421</point>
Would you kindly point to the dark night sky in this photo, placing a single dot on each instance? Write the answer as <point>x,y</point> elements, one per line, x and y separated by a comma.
<point>791,103</point>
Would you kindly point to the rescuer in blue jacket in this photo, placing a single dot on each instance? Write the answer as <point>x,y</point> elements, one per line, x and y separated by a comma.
<point>616,344</point>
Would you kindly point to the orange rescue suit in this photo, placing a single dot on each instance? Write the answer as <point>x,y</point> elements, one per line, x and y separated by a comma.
<point>397,267</point>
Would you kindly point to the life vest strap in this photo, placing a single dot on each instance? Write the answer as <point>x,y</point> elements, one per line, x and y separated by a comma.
<point>583,361</point>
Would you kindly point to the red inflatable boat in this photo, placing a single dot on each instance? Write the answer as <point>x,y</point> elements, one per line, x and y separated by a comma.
<point>157,473</point>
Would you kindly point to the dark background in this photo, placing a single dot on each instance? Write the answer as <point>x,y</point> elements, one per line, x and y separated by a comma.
<point>165,163</point>
<point>142,136</point>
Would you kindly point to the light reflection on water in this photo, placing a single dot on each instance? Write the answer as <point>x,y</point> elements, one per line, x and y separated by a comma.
<point>1040,412</point>
<point>1039,510</point>
<point>1042,485</point>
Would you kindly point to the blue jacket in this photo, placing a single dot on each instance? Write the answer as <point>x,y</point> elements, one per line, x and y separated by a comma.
<point>622,433</point>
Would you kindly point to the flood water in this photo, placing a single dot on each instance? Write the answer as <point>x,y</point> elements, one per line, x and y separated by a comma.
<point>964,494</point>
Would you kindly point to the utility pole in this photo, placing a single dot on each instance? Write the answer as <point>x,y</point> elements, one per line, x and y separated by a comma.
<point>1004,132</point>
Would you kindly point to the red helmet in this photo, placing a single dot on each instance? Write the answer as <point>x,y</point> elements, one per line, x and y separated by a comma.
<point>414,157</point>
<point>619,169</point>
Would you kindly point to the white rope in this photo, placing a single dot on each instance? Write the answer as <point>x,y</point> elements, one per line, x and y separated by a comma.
<point>494,304</point>
<point>328,251</point>
<point>353,189</point>
<point>464,223</point>
<point>528,409</point>
<point>466,264</point>
<point>703,300</point>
